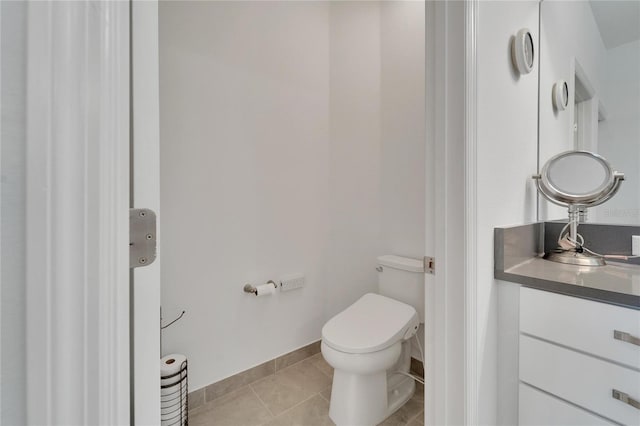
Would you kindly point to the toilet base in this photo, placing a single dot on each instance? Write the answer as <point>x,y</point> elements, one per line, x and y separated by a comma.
<point>358,400</point>
<point>370,401</point>
<point>400,394</point>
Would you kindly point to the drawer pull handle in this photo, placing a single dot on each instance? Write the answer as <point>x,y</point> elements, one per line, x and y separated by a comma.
<point>621,396</point>
<point>626,337</point>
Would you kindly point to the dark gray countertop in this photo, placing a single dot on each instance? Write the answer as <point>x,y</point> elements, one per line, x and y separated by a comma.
<point>616,284</point>
<point>517,260</point>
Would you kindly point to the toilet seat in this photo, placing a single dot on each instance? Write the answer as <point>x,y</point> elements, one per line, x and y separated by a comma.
<point>371,324</point>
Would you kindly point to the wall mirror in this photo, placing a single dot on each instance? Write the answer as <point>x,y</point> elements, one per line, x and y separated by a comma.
<point>594,46</point>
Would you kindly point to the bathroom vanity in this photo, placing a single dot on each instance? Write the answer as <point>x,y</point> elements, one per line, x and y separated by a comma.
<point>577,348</point>
<point>579,361</point>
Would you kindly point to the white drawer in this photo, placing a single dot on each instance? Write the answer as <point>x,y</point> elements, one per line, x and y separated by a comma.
<point>581,324</point>
<point>537,408</point>
<point>581,379</point>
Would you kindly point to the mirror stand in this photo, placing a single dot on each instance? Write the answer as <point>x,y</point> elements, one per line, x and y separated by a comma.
<point>567,179</point>
<point>575,255</point>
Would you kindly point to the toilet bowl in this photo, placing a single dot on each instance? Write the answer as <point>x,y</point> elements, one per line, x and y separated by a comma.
<point>367,344</point>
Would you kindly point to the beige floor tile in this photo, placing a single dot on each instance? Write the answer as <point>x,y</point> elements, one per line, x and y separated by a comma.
<point>240,407</point>
<point>326,394</point>
<point>318,361</point>
<point>409,410</point>
<point>418,420</point>
<point>312,412</point>
<point>290,386</point>
<point>196,399</point>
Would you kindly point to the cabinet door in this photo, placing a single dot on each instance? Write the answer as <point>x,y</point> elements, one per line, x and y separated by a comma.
<point>582,324</point>
<point>538,408</point>
<point>580,379</point>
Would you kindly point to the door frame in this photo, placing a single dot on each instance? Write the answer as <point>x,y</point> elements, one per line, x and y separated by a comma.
<point>145,193</point>
<point>470,207</point>
<point>452,61</point>
<point>451,68</point>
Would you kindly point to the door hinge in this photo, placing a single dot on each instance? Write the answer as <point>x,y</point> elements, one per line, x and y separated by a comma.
<point>142,237</point>
<point>430,265</point>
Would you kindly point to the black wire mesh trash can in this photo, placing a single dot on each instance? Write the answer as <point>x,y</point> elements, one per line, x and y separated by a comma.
<point>174,398</point>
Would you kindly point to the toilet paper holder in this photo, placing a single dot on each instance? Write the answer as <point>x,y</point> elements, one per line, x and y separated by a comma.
<point>248,288</point>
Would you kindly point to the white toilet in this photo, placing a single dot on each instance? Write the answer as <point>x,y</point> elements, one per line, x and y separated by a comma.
<point>368,344</point>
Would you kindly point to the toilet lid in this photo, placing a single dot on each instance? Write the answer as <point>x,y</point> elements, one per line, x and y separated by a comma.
<point>371,324</point>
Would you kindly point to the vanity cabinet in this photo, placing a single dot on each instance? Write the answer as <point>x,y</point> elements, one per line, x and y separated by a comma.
<point>579,361</point>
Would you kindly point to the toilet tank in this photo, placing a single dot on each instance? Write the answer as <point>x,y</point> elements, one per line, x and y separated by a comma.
<point>402,278</point>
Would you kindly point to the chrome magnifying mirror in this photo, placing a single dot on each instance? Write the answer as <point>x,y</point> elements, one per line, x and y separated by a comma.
<point>577,180</point>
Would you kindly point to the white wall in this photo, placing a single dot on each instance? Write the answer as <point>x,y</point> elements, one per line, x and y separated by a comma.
<point>377,141</point>
<point>403,126</point>
<point>403,132</point>
<point>568,33</point>
<point>244,178</point>
<point>12,227</point>
<point>619,134</point>
<point>276,122</point>
<point>355,201</point>
<point>506,159</point>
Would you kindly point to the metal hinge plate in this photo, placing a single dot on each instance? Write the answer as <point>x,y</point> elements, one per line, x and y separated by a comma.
<point>430,265</point>
<point>142,237</point>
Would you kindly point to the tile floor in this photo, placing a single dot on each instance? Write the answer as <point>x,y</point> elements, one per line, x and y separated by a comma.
<point>294,396</point>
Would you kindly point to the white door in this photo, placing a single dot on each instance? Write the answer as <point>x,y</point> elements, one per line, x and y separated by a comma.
<point>65,187</point>
<point>76,154</point>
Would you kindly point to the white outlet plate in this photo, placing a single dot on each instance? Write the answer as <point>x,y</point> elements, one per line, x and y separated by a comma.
<point>635,245</point>
<point>292,282</point>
